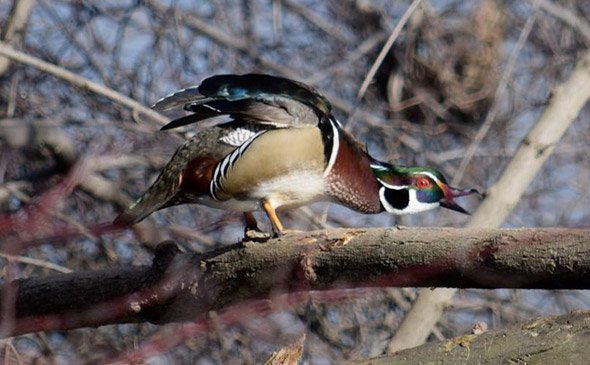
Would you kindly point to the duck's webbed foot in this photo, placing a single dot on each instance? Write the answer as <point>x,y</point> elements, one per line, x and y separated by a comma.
<point>252,232</point>
<point>286,231</point>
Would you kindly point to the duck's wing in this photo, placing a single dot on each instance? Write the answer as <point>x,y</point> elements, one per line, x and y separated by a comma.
<point>265,99</point>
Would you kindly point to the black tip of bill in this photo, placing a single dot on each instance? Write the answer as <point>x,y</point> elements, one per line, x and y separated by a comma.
<point>449,203</point>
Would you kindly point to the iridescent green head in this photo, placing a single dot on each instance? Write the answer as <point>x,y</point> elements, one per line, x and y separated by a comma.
<point>407,190</point>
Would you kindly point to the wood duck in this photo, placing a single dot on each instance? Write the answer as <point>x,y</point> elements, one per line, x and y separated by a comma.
<point>273,143</point>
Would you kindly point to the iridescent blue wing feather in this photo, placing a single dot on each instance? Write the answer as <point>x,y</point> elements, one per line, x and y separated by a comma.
<point>258,98</point>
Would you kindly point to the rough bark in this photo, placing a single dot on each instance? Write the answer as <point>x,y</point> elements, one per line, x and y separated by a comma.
<point>549,340</point>
<point>183,286</point>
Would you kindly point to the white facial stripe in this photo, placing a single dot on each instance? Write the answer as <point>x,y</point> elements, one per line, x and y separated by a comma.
<point>394,187</point>
<point>416,206</point>
<point>335,147</point>
<point>427,174</point>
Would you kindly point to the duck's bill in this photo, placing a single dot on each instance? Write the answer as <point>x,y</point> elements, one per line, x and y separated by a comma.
<point>449,204</point>
<point>452,193</point>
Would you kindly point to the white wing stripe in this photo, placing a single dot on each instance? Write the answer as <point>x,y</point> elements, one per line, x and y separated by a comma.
<point>224,165</point>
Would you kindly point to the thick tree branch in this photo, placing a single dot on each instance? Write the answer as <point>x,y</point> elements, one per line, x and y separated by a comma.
<point>184,286</point>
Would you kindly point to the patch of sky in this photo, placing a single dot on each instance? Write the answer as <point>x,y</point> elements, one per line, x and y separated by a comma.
<point>123,251</point>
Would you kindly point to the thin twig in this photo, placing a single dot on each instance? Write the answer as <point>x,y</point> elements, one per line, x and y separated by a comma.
<point>359,52</point>
<point>565,15</point>
<point>12,30</point>
<point>36,262</point>
<point>81,82</point>
<point>386,47</point>
<point>490,117</point>
<point>330,28</point>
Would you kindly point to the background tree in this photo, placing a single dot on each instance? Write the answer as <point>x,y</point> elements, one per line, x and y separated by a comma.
<point>458,89</point>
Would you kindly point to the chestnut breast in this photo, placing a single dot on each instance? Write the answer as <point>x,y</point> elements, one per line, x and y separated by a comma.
<point>351,180</point>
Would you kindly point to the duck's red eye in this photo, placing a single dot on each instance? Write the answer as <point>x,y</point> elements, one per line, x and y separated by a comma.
<point>423,183</point>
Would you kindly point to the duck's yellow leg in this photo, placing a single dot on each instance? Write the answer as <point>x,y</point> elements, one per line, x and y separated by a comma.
<point>277,226</point>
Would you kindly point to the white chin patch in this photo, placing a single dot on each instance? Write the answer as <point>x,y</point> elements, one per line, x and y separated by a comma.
<point>414,206</point>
